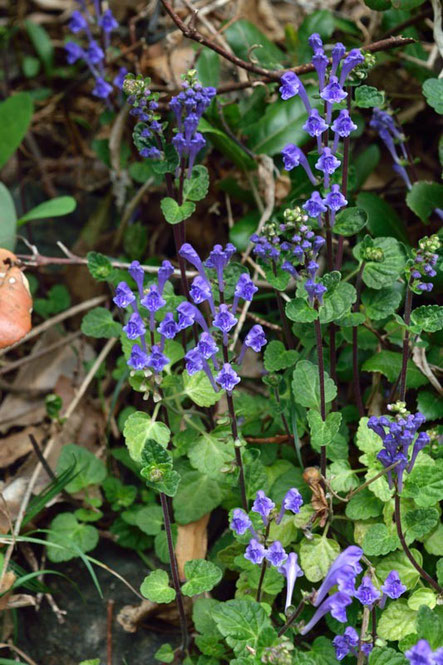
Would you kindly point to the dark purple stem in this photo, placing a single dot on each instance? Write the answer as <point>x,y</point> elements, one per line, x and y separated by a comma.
<point>293,617</point>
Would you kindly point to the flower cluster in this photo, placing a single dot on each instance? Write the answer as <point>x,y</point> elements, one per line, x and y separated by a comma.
<point>398,435</point>
<point>82,21</point>
<point>148,133</point>
<point>221,316</point>
<point>258,550</point>
<point>150,359</point>
<point>332,92</point>
<point>292,243</point>
<point>188,107</point>
<point>422,654</point>
<point>423,264</point>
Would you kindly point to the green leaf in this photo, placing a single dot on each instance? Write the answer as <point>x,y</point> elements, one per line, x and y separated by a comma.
<point>399,561</point>
<point>244,624</point>
<point>419,522</point>
<point>378,275</point>
<point>196,187</point>
<point>316,556</point>
<point>381,303</point>
<point>276,357</point>
<point>386,655</point>
<point>88,468</point>
<point>306,385</point>
<point>279,280</point>
<point>243,228</point>
<point>155,587</point>
<point>320,21</point>
<point>174,213</point>
<point>157,468</point>
<point>367,440</point>
<point>323,432</point>
<point>15,118</point>
<point>388,363</point>
<point>165,654</point>
<point>210,453</point>
<point>242,35</point>
<point>8,226</point>
<point>430,404</point>
<point>200,576</point>
<point>61,205</point>
<point>139,428</point>
<point>198,388</point>
<point>422,597</point>
<point>342,477</point>
<point>69,534</point>
<point>363,506</point>
<point>367,97</point>
<point>100,266</point>
<point>430,626</point>
<point>425,484</point>
<point>161,544</point>
<point>202,616</point>
<point>365,163</point>
<point>424,197</point>
<point>149,519</point>
<point>227,146</point>
<point>433,91</point>
<point>208,67</point>
<point>197,495</point>
<point>382,218</point>
<point>94,661</point>
<point>98,322</point>
<point>337,302</point>
<point>350,221</point>
<point>300,311</point>
<point>379,541</point>
<point>396,621</point>
<point>42,43</point>
<point>428,318</point>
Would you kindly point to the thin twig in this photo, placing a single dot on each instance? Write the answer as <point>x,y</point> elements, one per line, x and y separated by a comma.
<point>38,354</point>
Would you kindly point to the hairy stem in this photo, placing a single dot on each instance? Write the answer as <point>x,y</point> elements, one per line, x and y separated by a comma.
<point>408,552</point>
<point>174,573</point>
<point>404,363</point>
<point>321,377</point>
<point>238,457</point>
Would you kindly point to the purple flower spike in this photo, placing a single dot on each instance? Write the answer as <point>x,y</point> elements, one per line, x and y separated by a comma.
<point>153,300</point>
<point>315,206</point>
<point>276,554</point>
<point>200,290</point>
<point>291,570</point>
<point>168,327</point>
<point>346,643</point>
<point>157,360</point>
<point>354,58</point>
<point>335,604</point>
<point>77,22</point>
<point>291,86</point>
<point>255,552</point>
<point>224,320</point>
<point>342,572</point>
<point>320,62</point>
<point>227,378</point>
<point>293,156</point>
<point>138,358</point>
<point>135,327</point>
<point>263,505</point>
<point>337,54</point>
<point>420,654</point>
<point>240,521</point>
<point>73,52</point>
<point>137,274</point>
<point>366,593</point>
<point>393,586</point>
<point>123,295</point>
<point>165,271</point>
<point>107,21</point>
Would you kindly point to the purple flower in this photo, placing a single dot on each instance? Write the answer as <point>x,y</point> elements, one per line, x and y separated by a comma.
<point>240,521</point>
<point>218,259</point>
<point>94,53</point>
<point>188,252</point>
<point>343,124</point>
<point>291,86</point>
<point>156,359</point>
<point>245,287</point>
<point>288,267</point>
<point>393,586</point>
<point>123,295</point>
<point>137,274</point>
<point>315,42</point>
<point>77,22</point>
<point>276,554</point>
<point>366,593</point>
<point>73,52</point>
<point>150,153</point>
<point>315,206</point>
<point>102,89</point>
<point>335,604</point>
<point>256,338</point>
<point>152,300</point>
<point>135,327</point>
<point>421,441</point>
<point>165,271</point>
<point>291,570</point>
<point>200,290</point>
<point>438,657</point>
<point>320,62</point>
<point>227,378</point>
<point>263,505</point>
<point>345,643</point>
<point>187,315</point>
<point>168,327</point>
<point>335,200</point>
<point>354,58</point>
<point>293,500</point>
<point>420,654</point>
<point>337,54</point>
<point>194,361</point>
<point>342,573</point>
<point>315,124</point>
<point>207,346</point>
<point>315,291</point>
<point>293,156</point>
<point>138,358</point>
<point>367,647</point>
<point>327,162</point>
<point>119,79</point>
<point>224,320</point>
<point>107,21</point>
<point>255,552</point>
<point>333,93</point>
